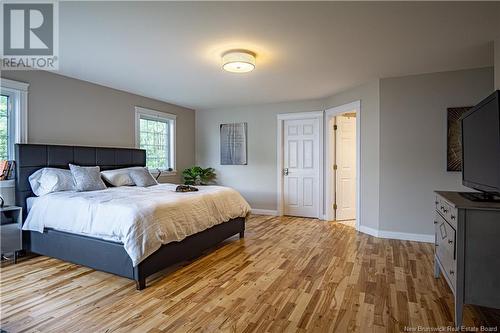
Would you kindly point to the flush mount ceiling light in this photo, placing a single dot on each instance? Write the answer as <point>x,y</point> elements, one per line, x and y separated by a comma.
<point>238,61</point>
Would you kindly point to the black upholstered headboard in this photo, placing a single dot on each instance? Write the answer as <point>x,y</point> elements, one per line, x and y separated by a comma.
<point>31,157</point>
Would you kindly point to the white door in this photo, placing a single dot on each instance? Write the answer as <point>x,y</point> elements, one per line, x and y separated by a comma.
<point>301,167</point>
<point>345,180</point>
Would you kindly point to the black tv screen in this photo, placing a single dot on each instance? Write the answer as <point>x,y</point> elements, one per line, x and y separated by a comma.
<point>481,146</point>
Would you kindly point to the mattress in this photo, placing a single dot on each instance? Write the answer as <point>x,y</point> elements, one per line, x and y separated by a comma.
<point>142,218</point>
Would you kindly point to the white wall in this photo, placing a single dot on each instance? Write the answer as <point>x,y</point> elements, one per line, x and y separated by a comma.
<point>413,143</point>
<point>497,64</point>
<point>256,181</point>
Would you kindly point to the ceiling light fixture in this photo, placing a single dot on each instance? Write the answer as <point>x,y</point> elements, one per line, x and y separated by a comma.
<point>238,61</point>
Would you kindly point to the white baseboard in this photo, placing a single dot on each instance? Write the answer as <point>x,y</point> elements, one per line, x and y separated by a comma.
<point>397,235</point>
<point>368,230</point>
<point>407,236</point>
<point>264,212</point>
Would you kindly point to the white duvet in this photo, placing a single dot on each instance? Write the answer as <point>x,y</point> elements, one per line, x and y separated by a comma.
<point>142,218</point>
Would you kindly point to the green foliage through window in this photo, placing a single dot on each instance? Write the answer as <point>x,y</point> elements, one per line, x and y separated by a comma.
<point>155,138</point>
<point>4,127</point>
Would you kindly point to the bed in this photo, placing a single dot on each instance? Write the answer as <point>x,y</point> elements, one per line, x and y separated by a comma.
<point>108,252</point>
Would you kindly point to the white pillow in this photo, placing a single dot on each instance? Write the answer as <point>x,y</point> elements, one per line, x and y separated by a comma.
<point>119,177</point>
<point>48,180</point>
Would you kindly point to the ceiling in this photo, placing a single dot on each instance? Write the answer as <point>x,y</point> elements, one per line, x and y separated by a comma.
<point>305,50</point>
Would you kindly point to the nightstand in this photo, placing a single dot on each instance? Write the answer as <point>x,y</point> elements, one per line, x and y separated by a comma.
<point>11,218</point>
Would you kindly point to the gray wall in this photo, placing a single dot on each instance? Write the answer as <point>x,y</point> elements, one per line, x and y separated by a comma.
<point>257,181</point>
<point>403,136</point>
<point>497,64</point>
<point>413,143</point>
<point>67,111</point>
<point>403,145</point>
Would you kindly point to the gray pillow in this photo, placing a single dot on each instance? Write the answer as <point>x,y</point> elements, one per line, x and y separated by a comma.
<point>87,178</point>
<point>142,177</point>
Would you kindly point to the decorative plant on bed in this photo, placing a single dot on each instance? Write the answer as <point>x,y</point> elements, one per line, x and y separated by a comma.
<point>198,176</point>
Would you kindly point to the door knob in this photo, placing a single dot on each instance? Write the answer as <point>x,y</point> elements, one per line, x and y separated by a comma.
<point>285,171</point>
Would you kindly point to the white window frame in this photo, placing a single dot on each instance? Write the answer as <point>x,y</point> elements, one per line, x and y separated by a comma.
<point>141,112</point>
<point>18,105</point>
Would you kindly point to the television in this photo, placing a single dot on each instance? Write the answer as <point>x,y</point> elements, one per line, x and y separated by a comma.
<point>481,149</point>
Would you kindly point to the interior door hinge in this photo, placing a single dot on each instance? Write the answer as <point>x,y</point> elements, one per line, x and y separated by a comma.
<point>335,167</point>
<point>334,206</point>
<point>335,127</point>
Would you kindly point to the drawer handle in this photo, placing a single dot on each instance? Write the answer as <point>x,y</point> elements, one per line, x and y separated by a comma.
<point>445,210</point>
<point>453,217</point>
<point>442,230</point>
<point>435,222</point>
<point>452,272</point>
<point>450,241</point>
<point>435,202</point>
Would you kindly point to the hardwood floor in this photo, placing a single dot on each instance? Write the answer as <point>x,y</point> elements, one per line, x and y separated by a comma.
<point>287,274</point>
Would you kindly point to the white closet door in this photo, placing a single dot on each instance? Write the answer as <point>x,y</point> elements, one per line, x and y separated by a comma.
<point>345,185</point>
<point>301,167</point>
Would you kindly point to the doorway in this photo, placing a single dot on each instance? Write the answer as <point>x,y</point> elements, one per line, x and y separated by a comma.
<point>342,164</point>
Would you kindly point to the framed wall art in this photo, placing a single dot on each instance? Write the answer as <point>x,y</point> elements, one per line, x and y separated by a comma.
<point>233,144</point>
<point>454,142</point>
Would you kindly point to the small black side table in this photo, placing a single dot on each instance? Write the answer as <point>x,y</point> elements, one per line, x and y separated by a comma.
<point>11,222</point>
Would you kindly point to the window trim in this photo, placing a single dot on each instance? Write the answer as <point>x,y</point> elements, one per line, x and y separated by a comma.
<point>153,114</point>
<point>18,100</point>
<point>12,101</point>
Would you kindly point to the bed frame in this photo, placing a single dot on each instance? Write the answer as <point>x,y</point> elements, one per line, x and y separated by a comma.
<point>96,253</point>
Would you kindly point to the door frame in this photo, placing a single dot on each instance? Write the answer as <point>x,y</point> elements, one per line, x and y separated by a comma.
<point>329,176</point>
<point>280,149</point>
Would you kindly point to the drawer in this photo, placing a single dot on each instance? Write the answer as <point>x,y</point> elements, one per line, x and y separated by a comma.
<point>10,238</point>
<point>445,248</point>
<point>446,210</point>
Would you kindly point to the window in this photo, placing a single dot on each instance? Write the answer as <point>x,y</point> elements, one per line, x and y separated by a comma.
<point>155,132</point>
<point>13,116</point>
<point>4,127</point>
